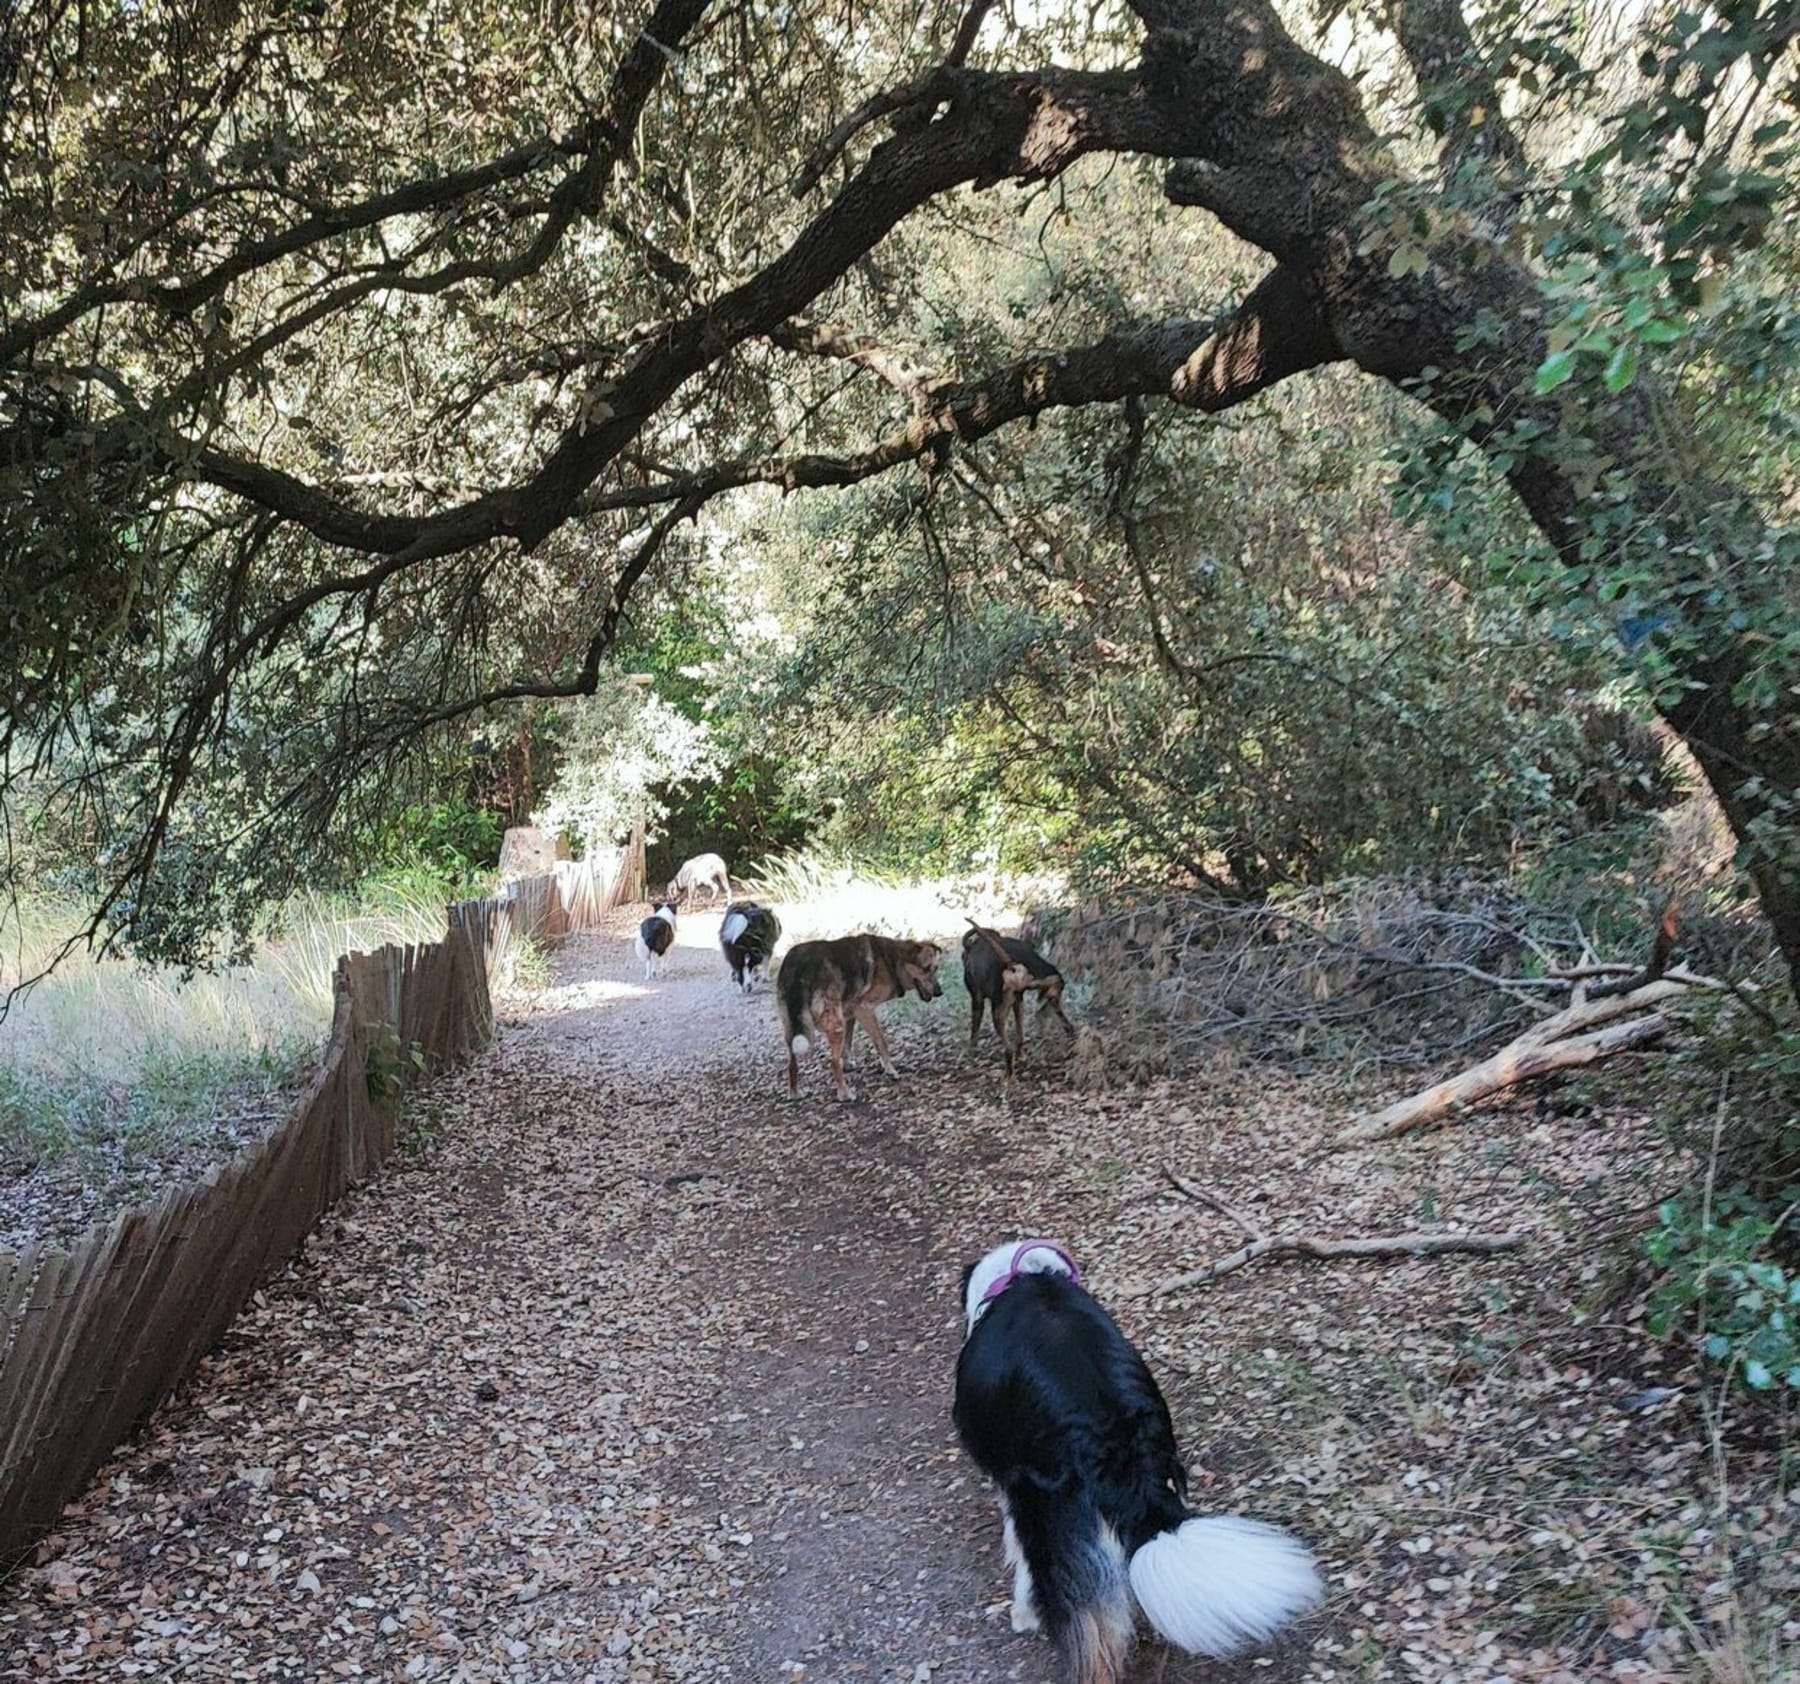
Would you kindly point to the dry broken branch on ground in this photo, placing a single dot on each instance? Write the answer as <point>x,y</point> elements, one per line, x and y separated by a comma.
<point>1261,1244</point>
<point>1581,1034</point>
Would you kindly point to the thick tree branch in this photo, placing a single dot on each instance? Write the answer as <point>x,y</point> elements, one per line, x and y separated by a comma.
<point>1206,365</point>
<point>1461,101</point>
<point>599,144</point>
<point>1030,127</point>
<point>826,339</point>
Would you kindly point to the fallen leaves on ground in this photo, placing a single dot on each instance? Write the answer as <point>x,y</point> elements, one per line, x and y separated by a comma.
<point>640,1372</point>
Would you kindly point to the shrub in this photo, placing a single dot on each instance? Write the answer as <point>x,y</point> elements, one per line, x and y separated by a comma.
<point>1728,1257</point>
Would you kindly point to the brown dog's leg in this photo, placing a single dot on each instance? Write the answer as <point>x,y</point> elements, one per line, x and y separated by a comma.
<point>1016,1046</point>
<point>865,1015</point>
<point>793,1073</point>
<point>837,1042</point>
<point>845,1092</point>
<point>1051,1001</point>
<point>975,1005</point>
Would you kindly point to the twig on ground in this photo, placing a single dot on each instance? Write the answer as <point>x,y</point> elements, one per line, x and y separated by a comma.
<point>1200,1195</point>
<point>1306,1245</point>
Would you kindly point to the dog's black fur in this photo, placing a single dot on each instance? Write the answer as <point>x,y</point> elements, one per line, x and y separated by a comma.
<point>755,941</point>
<point>1058,1409</point>
<point>983,976</point>
<point>657,934</point>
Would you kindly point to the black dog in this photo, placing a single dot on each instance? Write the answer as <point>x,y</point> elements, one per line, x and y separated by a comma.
<point>656,935</point>
<point>1057,1407</point>
<point>984,975</point>
<point>747,937</point>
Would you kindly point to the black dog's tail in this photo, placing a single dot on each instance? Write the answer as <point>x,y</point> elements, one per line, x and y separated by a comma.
<point>1218,1582</point>
<point>1210,1584</point>
<point>1080,1581</point>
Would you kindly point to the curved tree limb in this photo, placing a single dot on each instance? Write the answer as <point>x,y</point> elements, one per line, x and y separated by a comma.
<point>598,145</point>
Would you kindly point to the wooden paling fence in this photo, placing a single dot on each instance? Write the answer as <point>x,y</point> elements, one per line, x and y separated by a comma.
<point>94,1336</point>
<point>575,896</point>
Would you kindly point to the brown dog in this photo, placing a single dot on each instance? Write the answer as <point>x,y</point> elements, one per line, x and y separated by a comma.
<point>826,988</point>
<point>999,971</point>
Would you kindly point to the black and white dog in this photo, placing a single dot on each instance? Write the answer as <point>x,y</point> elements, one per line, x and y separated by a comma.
<point>656,935</point>
<point>747,937</point>
<point>1057,1406</point>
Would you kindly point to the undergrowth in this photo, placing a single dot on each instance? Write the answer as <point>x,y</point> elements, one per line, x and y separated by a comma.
<point>1727,1252</point>
<point>105,1063</point>
<point>181,1100</point>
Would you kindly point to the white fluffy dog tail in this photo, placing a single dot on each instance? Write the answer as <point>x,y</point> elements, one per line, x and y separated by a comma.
<point>1218,1583</point>
<point>799,1044</point>
<point>643,952</point>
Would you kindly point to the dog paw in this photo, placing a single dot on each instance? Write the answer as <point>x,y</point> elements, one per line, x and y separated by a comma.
<point>1024,1617</point>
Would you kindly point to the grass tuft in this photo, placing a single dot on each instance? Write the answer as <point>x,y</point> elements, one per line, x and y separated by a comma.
<point>115,1076</point>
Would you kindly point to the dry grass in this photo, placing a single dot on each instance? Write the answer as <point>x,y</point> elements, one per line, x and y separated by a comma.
<point>117,1079</point>
<point>106,1019</point>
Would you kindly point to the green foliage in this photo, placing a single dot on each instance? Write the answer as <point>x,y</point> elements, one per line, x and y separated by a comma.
<point>1728,1253</point>
<point>391,1067</point>
<point>292,284</point>
<point>1666,390</point>
<point>1720,1271</point>
<point>620,754</point>
<point>460,838</point>
<point>1267,691</point>
<point>749,811</point>
<point>180,1100</point>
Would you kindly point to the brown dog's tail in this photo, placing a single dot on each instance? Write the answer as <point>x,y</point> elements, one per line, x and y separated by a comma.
<point>992,938</point>
<point>790,995</point>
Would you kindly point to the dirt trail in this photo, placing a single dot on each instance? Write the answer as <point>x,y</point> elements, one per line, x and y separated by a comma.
<point>637,1371</point>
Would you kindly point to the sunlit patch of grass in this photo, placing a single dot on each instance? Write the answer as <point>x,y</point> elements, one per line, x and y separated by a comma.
<point>104,1062</point>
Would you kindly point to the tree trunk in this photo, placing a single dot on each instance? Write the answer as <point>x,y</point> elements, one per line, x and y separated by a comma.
<point>1292,165</point>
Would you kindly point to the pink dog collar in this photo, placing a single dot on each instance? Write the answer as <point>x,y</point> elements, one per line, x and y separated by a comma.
<point>1020,1252</point>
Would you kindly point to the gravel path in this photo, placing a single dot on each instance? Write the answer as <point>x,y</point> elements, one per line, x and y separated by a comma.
<point>636,1371</point>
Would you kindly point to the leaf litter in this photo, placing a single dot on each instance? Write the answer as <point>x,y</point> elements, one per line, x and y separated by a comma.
<point>640,1372</point>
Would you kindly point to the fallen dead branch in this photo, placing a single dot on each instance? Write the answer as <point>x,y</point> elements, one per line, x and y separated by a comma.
<point>1565,1040</point>
<point>1262,1244</point>
<point>1569,1040</point>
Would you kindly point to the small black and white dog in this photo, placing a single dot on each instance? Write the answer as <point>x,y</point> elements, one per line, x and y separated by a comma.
<point>748,936</point>
<point>1057,1407</point>
<point>656,935</point>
